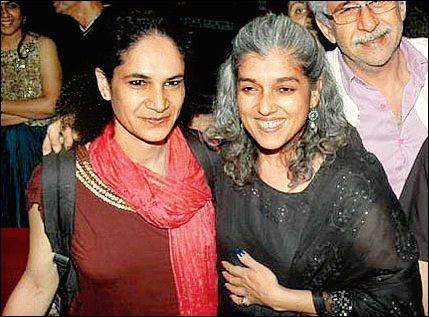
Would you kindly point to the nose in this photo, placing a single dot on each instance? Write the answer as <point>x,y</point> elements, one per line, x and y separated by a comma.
<point>267,104</point>
<point>368,20</point>
<point>157,100</point>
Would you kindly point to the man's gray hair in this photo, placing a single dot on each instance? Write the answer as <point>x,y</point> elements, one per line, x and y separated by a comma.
<point>319,8</point>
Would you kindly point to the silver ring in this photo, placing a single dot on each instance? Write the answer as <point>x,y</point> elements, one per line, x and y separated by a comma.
<point>243,301</point>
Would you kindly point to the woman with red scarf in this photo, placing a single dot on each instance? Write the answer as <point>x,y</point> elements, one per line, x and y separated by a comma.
<point>144,241</point>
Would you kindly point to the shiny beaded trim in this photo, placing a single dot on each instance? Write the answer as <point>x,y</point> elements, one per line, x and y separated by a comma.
<point>341,303</point>
<point>91,181</point>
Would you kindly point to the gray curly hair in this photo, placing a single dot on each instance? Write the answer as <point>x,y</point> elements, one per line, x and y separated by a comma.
<point>238,148</point>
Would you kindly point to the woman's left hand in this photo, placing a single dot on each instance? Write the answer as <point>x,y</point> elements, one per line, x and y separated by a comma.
<point>252,284</point>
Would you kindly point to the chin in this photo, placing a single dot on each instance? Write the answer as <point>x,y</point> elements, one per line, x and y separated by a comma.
<point>155,138</point>
<point>275,146</point>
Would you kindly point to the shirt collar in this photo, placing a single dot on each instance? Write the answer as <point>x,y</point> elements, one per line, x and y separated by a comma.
<point>85,30</point>
<point>416,62</point>
<point>347,74</point>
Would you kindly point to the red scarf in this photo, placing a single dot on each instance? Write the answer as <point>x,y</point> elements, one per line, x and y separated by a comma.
<point>180,202</point>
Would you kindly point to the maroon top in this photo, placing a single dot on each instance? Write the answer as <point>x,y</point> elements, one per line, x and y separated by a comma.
<point>123,263</point>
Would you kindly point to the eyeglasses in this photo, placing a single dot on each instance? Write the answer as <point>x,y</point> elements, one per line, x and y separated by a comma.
<point>350,12</point>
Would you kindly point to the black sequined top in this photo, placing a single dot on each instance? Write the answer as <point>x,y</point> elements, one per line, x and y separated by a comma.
<point>345,234</point>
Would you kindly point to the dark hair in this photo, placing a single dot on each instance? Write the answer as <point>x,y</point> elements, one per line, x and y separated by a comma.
<point>81,97</point>
<point>24,30</point>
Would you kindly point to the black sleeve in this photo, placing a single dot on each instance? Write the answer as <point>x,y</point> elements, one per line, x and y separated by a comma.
<point>208,158</point>
<point>381,266</point>
<point>414,200</point>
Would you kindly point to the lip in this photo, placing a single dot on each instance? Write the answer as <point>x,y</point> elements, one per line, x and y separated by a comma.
<point>375,42</point>
<point>7,23</point>
<point>157,121</point>
<point>270,125</point>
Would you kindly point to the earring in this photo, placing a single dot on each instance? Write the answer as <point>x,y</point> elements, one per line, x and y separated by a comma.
<point>312,117</point>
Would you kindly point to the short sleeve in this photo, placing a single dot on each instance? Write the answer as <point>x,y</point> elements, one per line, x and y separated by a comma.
<point>34,190</point>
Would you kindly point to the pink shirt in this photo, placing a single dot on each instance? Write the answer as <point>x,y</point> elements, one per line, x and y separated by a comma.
<point>396,146</point>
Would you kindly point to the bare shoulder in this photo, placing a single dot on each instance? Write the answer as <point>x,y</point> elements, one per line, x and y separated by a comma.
<point>46,42</point>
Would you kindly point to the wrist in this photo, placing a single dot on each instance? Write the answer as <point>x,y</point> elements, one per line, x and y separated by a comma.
<point>281,298</point>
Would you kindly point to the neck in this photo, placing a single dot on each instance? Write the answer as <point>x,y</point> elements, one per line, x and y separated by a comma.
<point>391,74</point>
<point>88,13</point>
<point>151,156</point>
<point>11,41</point>
<point>272,167</point>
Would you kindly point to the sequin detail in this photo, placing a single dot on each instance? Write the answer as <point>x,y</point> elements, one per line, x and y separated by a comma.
<point>341,303</point>
<point>20,78</point>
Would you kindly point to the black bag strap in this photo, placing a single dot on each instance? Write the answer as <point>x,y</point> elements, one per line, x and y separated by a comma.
<point>204,155</point>
<point>58,183</point>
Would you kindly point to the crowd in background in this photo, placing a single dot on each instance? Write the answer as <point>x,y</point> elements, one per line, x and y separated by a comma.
<point>50,51</point>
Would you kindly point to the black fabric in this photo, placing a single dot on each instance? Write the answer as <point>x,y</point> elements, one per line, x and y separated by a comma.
<point>414,200</point>
<point>319,303</point>
<point>206,157</point>
<point>354,138</point>
<point>345,231</point>
<point>79,51</point>
<point>58,183</point>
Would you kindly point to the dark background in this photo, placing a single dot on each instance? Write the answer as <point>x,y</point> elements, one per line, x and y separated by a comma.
<point>212,24</point>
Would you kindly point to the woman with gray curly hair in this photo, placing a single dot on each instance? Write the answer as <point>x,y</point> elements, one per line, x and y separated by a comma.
<point>306,223</point>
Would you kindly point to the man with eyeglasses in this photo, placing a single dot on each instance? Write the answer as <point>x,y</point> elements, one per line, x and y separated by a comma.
<point>383,79</point>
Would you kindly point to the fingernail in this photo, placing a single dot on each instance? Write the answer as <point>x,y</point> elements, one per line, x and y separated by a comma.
<point>240,252</point>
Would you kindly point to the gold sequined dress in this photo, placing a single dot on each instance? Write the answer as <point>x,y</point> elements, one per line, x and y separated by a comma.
<point>21,144</point>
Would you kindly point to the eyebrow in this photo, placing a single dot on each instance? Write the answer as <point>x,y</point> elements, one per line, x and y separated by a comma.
<point>340,5</point>
<point>278,80</point>
<point>298,2</point>
<point>142,76</point>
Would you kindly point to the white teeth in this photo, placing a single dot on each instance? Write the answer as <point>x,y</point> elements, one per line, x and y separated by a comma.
<point>270,124</point>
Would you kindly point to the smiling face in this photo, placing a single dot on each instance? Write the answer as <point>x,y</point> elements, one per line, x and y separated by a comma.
<point>11,18</point>
<point>274,98</point>
<point>146,91</point>
<point>372,39</point>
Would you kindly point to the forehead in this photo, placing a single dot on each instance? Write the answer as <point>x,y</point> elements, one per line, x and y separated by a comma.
<point>276,63</point>
<point>156,52</point>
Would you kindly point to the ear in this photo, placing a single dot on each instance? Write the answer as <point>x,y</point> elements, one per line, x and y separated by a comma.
<point>327,31</point>
<point>315,94</point>
<point>402,9</point>
<point>103,84</point>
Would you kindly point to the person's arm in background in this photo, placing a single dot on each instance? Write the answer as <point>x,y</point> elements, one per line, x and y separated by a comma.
<point>423,265</point>
<point>43,106</point>
<point>10,119</point>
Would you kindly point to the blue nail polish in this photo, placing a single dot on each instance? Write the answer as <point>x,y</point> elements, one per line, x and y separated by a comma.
<point>240,252</point>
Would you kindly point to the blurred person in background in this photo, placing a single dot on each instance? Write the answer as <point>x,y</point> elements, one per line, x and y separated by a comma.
<point>31,83</point>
